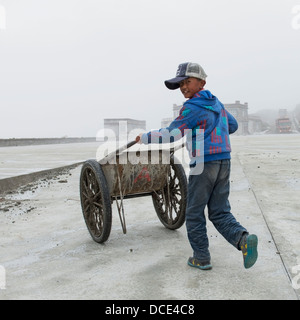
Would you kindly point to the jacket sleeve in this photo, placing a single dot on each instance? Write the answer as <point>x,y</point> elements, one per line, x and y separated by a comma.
<point>174,132</point>
<point>232,123</point>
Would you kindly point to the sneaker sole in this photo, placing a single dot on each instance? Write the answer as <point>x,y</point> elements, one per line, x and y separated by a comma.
<point>207,267</point>
<point>252,254</point>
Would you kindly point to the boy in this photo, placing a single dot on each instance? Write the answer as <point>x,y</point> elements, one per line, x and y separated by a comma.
<point>210,187</point>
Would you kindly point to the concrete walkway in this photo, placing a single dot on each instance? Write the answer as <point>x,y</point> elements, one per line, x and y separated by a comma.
<point>47,252</point>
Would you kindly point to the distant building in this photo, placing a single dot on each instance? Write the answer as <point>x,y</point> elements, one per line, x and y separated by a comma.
<point>255,124</point>
<point>165,122</point>
<point>240,112</point>
<point>247,124</point>
<point>122,126</point>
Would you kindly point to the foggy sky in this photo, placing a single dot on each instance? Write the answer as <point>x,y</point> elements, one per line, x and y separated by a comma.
<point>65,65</point>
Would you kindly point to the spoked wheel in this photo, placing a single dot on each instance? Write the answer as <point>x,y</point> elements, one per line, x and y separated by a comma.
<point>95,201</point>
<point>170,202</point>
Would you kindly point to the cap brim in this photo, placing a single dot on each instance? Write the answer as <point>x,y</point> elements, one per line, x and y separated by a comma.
<point>174,83</point>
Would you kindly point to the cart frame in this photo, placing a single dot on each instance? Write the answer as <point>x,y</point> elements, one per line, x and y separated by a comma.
<point>102,183</point>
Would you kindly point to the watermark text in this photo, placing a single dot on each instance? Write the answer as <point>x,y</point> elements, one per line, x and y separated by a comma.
<point>159,149</point>
<point>2,17</point>
<point>296,278</point>
<point>2,278</point>
<point>295,23</point>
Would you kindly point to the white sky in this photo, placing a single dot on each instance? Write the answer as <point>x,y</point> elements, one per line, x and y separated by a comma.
<point>65,65</point>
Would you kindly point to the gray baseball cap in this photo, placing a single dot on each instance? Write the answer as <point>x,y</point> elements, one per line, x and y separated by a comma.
<point>184,71</point>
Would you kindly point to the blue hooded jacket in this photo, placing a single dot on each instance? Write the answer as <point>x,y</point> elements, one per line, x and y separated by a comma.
<point>201,116</point>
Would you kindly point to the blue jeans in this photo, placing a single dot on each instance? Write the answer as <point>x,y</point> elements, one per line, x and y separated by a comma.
<point>211,188</point>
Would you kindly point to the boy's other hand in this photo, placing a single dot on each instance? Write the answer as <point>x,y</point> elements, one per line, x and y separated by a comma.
<point>138,138</point>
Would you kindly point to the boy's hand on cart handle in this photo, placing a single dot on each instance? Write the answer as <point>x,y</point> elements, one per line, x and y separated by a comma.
<point>138,139</point>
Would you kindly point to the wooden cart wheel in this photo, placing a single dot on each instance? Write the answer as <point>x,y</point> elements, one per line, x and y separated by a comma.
<point>95,201</point>
<point>170,202</point>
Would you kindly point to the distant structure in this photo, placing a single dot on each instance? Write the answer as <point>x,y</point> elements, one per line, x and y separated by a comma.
<point>283,122</point>
<point>165,122</point>
<point>123,126</point>
<point>240,112</point>
<point>248,124</point>
<point>255,124</point>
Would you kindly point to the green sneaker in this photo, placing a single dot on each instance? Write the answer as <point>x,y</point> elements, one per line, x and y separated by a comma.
<point>248,246</point>
<point>193,262</point>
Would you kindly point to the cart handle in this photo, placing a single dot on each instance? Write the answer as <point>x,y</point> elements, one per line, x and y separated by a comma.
<point>173,150</point>
<point>121,149</point>
<point>132,143</point>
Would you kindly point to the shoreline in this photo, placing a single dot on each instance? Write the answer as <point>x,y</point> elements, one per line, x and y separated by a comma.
<point>15,142</point>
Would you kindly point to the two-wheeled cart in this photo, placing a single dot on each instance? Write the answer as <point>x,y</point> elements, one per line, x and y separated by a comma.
<point>157,174</point>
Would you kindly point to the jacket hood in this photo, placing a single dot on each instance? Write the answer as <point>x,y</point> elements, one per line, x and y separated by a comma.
<point>205,99</point>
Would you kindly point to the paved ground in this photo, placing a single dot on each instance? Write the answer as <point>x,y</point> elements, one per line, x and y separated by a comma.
<point>47,252</point>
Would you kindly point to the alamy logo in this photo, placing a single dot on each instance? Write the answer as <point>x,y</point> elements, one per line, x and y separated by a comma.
<point>296,278</point>
<point>2,18</point>
<point>2,278</point>
<point>194,140</point>
<point>296,19</point>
